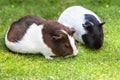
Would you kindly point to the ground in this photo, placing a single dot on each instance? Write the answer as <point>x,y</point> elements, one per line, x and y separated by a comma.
<point>102,64</point>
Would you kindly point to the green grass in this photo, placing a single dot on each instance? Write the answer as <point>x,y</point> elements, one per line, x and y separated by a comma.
<point>103,64</point>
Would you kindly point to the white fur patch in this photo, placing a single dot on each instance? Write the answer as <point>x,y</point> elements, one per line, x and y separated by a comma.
<point>32,42</point>
<point>72,42</point>
<point>73,17</point>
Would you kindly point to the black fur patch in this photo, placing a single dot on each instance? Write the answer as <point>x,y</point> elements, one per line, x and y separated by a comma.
<point>94,37</point>
<point>92,18</point>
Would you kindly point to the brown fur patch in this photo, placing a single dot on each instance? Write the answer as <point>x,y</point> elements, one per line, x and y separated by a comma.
<point>60,46</point>
<point>19,28</point>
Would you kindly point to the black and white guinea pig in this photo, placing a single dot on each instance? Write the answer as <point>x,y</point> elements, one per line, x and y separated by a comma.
<point>88,26</point>
<point>32,34</point>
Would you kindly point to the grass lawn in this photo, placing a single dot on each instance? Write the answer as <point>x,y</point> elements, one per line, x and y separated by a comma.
<point>102,64</point>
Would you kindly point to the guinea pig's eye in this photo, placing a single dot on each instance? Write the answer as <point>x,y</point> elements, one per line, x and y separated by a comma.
<point>67,45</point>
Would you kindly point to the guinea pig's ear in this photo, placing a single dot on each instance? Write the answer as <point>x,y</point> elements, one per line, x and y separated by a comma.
<point>101,23</point>
<point>58,37</point>
<point>85,26</point>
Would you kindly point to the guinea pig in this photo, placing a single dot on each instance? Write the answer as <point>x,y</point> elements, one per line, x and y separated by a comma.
<point>32,35</point>
<point>88,26</point>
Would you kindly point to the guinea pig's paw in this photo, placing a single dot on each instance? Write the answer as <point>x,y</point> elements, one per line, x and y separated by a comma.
<point>69,56</point>
<point>48,57</point>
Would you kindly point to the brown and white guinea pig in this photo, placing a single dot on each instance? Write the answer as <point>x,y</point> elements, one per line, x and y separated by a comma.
<point>88,26</point>
<point>32,34</point>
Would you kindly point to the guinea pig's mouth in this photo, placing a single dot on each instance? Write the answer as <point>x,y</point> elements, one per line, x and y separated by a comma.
<point>98,46</point>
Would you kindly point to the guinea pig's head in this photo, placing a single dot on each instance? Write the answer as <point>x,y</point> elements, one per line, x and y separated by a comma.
<point>94,37</point>
<point>60,39</point>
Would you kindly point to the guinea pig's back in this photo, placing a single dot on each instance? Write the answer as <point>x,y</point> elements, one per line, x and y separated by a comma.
<point>74,16</point>
<point>25,35</point>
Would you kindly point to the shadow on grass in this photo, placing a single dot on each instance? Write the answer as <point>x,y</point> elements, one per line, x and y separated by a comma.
<point>39,56</point>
